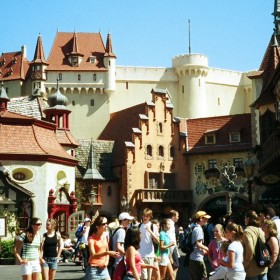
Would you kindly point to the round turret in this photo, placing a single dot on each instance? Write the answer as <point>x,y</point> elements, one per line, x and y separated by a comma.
<point>192,70</point>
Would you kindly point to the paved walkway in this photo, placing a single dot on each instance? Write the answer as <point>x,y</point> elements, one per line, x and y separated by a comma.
<point>69,271</point>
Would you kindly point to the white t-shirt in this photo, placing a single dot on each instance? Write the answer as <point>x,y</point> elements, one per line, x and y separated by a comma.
<point>197,234</point>
<point>237,248</point>
<point>146,243</point>
<point>118,237</point>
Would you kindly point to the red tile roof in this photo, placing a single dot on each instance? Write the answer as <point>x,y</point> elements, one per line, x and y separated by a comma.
<point>13,66</point>
<point>196,129</point>
<point>39,55</point>
<point>25,138</point>
<point>88,44</point>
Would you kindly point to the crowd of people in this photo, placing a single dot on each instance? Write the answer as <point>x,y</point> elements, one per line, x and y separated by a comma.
<point>150,248</point>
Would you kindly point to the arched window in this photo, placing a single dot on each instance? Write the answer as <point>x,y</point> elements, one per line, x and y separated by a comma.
<point>149,150</point>
<point>160,127</point>
<point>161,151</point>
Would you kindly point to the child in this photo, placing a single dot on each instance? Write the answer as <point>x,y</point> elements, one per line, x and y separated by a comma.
<point>67,250</point>
<point>220,271</point>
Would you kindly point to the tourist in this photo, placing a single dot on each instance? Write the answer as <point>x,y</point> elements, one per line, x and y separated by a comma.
<point>270,231</point>
<point>234,261</point>
<point>134,262</point>
<point>52,247</point>
<point>149,235</point>
<point>197,268</point>
<point>165,244</point>
<point>27,251</point>
<point>68,248</point>
<point>250,236</point>
<point>98,251</point>
<point>214,252</point>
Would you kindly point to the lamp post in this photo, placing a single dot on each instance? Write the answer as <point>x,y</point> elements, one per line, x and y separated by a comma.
<point>249,168</point>
<point>124,204</point>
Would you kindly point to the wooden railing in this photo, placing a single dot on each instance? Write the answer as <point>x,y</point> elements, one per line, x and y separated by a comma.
<point>163,195</point>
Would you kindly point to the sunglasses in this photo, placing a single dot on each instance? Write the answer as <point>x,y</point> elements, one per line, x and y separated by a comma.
<point>38,224</point>
<point>104,224</point>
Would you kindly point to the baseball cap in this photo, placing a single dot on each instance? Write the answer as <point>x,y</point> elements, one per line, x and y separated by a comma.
<point>87,220</point>
<point>202,214</point>
<point>125,216</point>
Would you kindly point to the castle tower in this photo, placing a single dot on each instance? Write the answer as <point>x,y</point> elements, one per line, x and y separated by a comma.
<point>38,67</point>
<point>57,112</point>
<point>110,63</point>
<point>192,70</point>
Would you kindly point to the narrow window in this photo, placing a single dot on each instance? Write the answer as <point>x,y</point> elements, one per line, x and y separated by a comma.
<point>92,102</point>
<point>126,85</point>
<point>73,102</point>
<point>79,77</point>
<point>60,76</point>
<point>94,77</point>
<point>160,127</point>
<point>149,150</point>
<point>172,152</point>
<point>183,89</point>
<point>161,151</point>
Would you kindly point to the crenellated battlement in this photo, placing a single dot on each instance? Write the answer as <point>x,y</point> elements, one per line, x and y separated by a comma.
<point>190,60</point>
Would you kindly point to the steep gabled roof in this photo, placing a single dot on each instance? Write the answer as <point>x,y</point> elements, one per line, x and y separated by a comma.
<point>88,45</point>
<point>13,66</point>
<point>119,129</point>
<point>221,126</point>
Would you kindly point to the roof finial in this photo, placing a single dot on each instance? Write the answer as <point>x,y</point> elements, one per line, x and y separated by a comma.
<point>57,80</point>
<point>189,36</point>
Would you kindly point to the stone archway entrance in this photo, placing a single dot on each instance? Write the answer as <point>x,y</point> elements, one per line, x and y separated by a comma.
<point>217,206</point>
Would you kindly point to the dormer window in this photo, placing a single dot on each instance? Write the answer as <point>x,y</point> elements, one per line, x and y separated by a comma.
<point>234,137</point>
<point>74,61</point>
<point>92,59</point>
<point>210,138</point>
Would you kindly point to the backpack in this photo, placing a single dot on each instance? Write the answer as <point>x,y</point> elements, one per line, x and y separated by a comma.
<point>79,231</point>
<point>186,245</point>
<point>262,255</point>
<point>120,270</point>
<point>110,245</point>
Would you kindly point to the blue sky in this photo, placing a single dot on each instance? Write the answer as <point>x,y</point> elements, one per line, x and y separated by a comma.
<point>233,34</point>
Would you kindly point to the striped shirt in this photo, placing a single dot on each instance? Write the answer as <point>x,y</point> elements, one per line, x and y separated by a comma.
<point>30,251</point>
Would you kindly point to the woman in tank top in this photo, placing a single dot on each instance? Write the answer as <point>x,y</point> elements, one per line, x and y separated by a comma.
<point>98,251</point>
<point>52,247</point>
<point>132,256</point>
<point>27,251</point>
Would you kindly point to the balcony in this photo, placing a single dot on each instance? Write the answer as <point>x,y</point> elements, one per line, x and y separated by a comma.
<point>163,195</point>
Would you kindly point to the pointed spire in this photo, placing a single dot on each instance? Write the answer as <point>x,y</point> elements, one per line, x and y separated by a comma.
<point>109,48</point>
<point>276,15</point>
<point>39,55</point>
<point>91,172</point>
<point>3,98</point>
<point>75,45</point>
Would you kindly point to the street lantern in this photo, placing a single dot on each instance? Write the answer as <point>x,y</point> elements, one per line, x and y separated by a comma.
<point>91,197</point>
<point>249,168</point>
<point>124,204</point>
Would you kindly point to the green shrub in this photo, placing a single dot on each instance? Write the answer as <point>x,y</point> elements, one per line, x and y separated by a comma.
<point>7,248</point>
